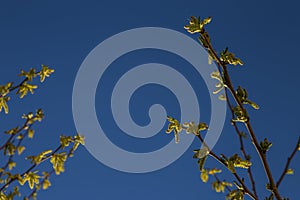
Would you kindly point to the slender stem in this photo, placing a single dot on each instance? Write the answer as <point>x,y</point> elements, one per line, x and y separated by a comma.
<point>31,168</point>
<point>15,87</point>
<point>216,157</point>
<point>242,148</point>
<point>13,135</point>
<point>264,161</point>
<point>249,169</point>
<point>30,196</point>
<point>247,124</point>
<point>227,188</point>
<point>288,163</point>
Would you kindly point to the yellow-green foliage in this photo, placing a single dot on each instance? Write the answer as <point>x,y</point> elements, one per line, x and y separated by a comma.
<point>13,145</point>
<point>236,99</point>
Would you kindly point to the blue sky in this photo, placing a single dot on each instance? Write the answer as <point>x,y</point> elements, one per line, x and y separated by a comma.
<point>265,35</point>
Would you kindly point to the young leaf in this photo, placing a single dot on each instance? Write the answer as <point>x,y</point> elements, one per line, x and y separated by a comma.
<point>29,75</point>
<point>201,153</point>
<point>32,178</point>
<point>214,171</point>
<point>204,176</point>
<point>243,97</point>
<point>175,126</point>
<point>58,161</point>
<point>265,145</point>
<point>229,58</point>
<point>290,172</point>
<point>30,133</point>
<point>11,165</point>
<point>46,184</point>
<point>20,149</point>
<point>3,104</point>
<point>45,72</point>
<point>25,88</point>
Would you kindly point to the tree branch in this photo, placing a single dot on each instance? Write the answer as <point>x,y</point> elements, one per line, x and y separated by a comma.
<point>288,163</point>
<point>216,157</point>
<point>242,148</point>
<point>261,154</point>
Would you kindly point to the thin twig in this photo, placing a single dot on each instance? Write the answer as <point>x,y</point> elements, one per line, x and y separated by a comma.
<point>15,87</point>
<point>216,157</point>
<point>288,163</point>
<point>15,134</point>
<point>261,154</point>
<point>227,187</point>
<point>31,168</point>
<point>31,195</point>
<point>242,148</point>
<point>249,169</point>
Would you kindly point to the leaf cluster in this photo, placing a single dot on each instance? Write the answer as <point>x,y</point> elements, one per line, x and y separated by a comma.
<point>12,176</point>
<point>239,98</point>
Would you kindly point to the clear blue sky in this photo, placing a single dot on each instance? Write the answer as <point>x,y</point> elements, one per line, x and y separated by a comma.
<point>264,34</point>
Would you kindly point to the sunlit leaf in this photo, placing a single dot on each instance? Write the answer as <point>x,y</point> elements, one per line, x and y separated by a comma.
<point>45,72</point>
<point>290,172</point>
<point>3,104</point>
<point>204,176</point>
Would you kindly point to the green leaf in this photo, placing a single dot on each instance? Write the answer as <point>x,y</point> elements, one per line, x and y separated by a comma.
<point>214,171</point>
<point>239,162</point>
<point>14,193</point>
<point>9,149</point>
<point>79,139</point>
<point>3,104</point>
<point>37,159</point>
<point>241,114</point>
<point>229,58</point>
<point>220,85</point>
<point>46,184</point>
<point>65,141</point>
<point>202,126</point>
<point>29,75</point>
<point>222,97</point>
<point>39,115</point>
<point>268,187</point>
<point>200,153</point>
<point>20,149</point>
<point>235,161</point>
<point>32,178</point>
<point>12,131</point>
<point>30,133</point>
<point>174,126</point>
<point>290,172</point>
<point>196,25</point>
<point>58,161</point>
<point>218,186</point>
<point>3,196</point>
<point>31,118</point>
<point>235,195</point>
<point>25,88</point>
<point>230,166</point>
<point>206,21</point>
<point>204,176</point>
<point>5,89</point>
<point>11,165</point>
<point>243,97</point>
<point>45,72</point>
<point>191,127</point>
<point>265,145</point>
